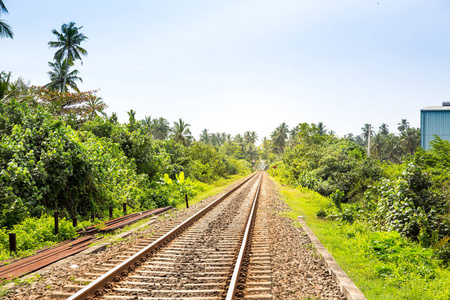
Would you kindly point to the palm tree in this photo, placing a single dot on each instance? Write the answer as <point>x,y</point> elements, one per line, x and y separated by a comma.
<point>365,131</point>
<point>181,133</point>
<point>279,137</point>
<point>350,136</point>
<point>5,29</point>
<point>205,137</point>
<point>215,139</point>
<point>95,106</point>
<point>403,125</point>
<point>238,139</point>
<point>250,137</point>
<point>160,128</point>
<point>384,131</point>
<point>391,148</point>
<point>321,128</point>
<point>4,84</point>
<point>147,122</point>
<point>250,152</point>
<point>60,78</point>
<point>68,44</point>
<point>18,89</point>
<point>253,137</point>
<point>410,139</point>
<point>377,145</point>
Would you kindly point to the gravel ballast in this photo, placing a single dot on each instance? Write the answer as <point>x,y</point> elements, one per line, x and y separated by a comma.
<point>298,272</point>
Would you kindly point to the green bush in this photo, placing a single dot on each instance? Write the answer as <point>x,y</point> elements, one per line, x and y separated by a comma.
<point>408,206</point>
<point>334,164</point>
<point>35,233</point>
<point>42,166</point>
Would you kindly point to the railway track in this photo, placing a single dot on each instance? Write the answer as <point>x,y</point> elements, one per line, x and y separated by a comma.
<point>221,252</point>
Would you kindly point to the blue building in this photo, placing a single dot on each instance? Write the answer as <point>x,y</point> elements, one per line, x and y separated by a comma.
<point>434,120</point>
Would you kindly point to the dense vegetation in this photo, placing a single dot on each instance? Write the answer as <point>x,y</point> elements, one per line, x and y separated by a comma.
<point>408,197</point>
<point>396,201</point>
<point>59,151</point>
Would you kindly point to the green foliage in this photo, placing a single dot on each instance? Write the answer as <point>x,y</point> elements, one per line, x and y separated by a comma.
<point>337,199</point>
<point>384,265</point>
<point>206,164</point>
<point>35,233</point>
<point>321,213</point>
<point>42,165</point>
<point>436,161</point>
<point>135,144</point>
<point>408,206</point>
<point>329,166</point>
<point>114,174</point>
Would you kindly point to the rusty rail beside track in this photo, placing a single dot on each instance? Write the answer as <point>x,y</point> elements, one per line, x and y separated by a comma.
<point>44,258</point>
<point>49,255</point>
<point>97,288</point>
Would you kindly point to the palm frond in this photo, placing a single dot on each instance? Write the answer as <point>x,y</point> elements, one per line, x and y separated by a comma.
<point>3,7</point>
<point>5,30</point>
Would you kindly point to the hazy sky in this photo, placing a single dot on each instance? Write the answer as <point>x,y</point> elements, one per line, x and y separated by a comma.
<point>233,66</point>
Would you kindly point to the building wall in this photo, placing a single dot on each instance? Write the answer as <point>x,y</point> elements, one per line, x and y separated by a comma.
<point>434,123</point>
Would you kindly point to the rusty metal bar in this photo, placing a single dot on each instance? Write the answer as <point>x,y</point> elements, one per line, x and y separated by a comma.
<point>231,294</point>
<point>95,288</point>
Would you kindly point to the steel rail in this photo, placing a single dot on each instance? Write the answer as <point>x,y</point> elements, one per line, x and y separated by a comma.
<point>97,287</point>
<point>232,289</point>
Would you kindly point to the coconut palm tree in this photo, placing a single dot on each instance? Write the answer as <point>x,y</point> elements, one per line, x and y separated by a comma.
<point>250,137</point>
<point>410,139</point>
<point>250,152</point>
<point>160,128</point>
<point>365,131</point>
<point>68,44</point>
<point>321,128</point>
<point>4,84</point>
<point>384,131</point>
<point>181,133</point>
<point>403,125</point>
<point>392,148</point>
<point>147,123</point>
<point>205,137</point>
<point>5,29</point>
<point>279,137</point>
<point>95,106</point>
<point>238,139</point>
<point>60,78</point>
<point>377,145</point>
<point>350,136</point>
<point>253,137</point>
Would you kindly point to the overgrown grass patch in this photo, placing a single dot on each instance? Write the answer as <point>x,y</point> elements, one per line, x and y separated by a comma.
<point>383,265</point>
